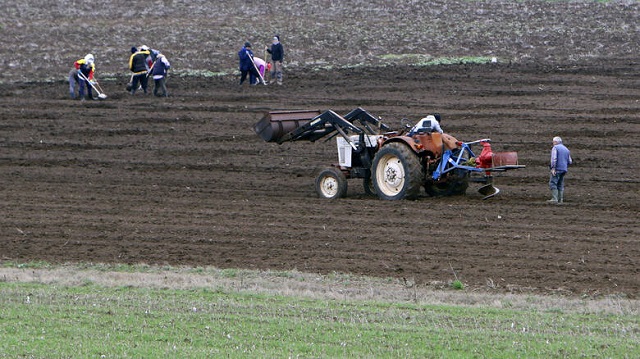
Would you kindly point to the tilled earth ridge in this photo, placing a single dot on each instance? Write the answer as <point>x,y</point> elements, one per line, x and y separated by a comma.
<point>185,180</point>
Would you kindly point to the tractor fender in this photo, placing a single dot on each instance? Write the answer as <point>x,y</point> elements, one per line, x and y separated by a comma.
<point>407,140</point>
<point>433,143</point>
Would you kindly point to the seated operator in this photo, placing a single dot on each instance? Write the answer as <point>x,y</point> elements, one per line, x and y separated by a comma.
<point>431,123</point>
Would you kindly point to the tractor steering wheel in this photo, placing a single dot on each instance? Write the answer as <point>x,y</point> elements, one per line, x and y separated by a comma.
<point>406,123</point>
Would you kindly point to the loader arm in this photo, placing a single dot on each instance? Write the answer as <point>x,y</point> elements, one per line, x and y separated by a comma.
<point>373,125</point>
<point>311,125</point>
<point>320,126</point>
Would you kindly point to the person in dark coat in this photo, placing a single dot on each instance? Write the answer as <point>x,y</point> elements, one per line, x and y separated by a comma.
<point>277,56</point>
<point>139,65</point>
<point>246,63</point>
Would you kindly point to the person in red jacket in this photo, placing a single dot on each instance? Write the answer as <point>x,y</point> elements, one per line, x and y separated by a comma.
<point>81,75</point>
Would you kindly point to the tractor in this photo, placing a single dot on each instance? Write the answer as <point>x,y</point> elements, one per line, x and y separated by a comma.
<point>393,164</point>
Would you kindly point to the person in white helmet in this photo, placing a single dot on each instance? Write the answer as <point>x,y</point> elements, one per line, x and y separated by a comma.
<point>81,74</point>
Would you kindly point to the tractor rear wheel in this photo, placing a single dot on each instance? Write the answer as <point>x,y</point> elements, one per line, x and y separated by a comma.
<point>397,172</point>
<point>331,183</point>
<point>454,183</point>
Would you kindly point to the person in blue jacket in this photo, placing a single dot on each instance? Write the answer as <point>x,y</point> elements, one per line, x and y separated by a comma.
<point>159,73</point>
<point>246,63</point>
<point>559,164</point>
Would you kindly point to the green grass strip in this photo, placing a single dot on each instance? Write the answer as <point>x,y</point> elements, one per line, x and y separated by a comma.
<point>50,321</point>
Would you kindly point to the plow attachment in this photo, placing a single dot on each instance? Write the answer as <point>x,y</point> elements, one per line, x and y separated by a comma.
<point>488,191</point>
<point>500,162</point>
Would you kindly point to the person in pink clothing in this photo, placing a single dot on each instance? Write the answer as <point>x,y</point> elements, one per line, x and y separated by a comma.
<point>262,69</point>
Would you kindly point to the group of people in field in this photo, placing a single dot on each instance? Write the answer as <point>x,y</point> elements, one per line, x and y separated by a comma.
<point>145,63</point>
<point>256,68</point>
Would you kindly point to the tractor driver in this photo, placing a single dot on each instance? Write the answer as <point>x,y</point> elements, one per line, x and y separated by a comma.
<point>431,123</point>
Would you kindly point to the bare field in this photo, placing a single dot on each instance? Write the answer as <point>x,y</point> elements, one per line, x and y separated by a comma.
<point>41,39</point>
<point>185,181</point>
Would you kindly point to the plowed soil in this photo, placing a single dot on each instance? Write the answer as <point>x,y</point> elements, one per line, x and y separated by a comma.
<point>184,180</point>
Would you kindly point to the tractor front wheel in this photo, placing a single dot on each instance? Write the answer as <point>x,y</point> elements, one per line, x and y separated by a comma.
<point>369,189</point>
<point>331,183</point>
<point>397,172</point>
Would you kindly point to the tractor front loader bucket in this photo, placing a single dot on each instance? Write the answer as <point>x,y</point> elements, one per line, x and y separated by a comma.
<point>275,124</point>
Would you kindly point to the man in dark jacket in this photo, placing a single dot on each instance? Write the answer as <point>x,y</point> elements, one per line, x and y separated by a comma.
<point>246,62</point>
<point>277,56</point>
<point>139,65</point>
